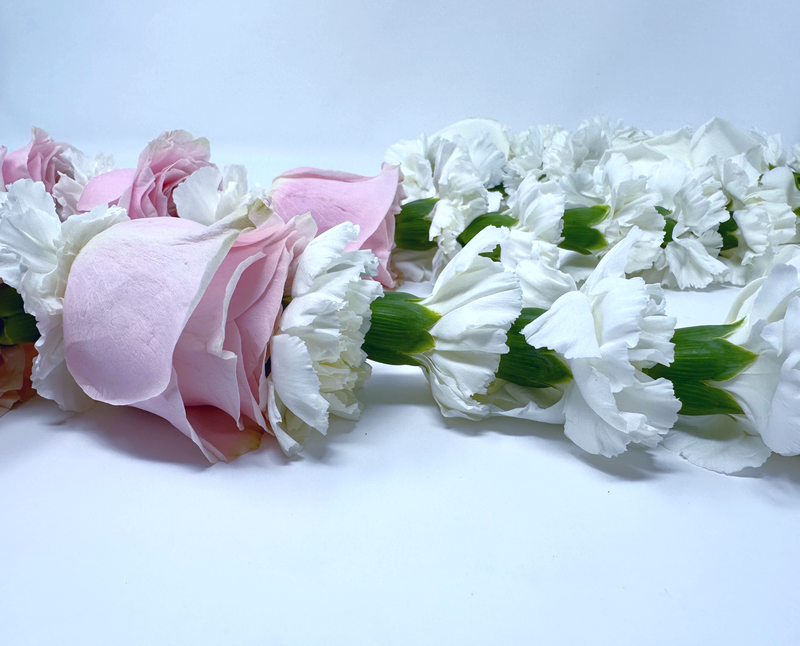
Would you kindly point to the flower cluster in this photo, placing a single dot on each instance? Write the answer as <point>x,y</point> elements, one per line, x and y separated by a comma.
<point>714,205</point>
<point>233,311</point>
<point>176,288</point>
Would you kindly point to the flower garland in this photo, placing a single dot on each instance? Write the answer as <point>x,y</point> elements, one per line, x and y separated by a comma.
<point>233,311</point>
<point>715,206</point>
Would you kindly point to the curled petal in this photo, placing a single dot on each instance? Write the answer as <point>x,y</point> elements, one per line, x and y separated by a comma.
<point>122,320</point>
<point>334,197</point>
<point>717,443</point>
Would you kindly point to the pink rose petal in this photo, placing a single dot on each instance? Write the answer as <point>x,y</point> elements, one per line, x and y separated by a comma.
<point>333,197</point>
<point>175,318</point>
<point>106,188</point>
<point>39,160</point>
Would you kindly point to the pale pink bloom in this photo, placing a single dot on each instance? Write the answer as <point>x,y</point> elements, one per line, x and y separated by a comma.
<point>40,160</point>
<point>15,375</point>
<point>175,318</point>
<point>333,197</point>
<point>146,191</point>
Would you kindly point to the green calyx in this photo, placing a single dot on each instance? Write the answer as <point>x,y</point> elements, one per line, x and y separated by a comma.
<point>412,225</point>
<point>527,366</point>
<point>728,232</point>
<point>495,219</point>
<point>399,329</point>
<point>703,357</point>
<point>579,233</point>
<point>662,211</point>
<point>669,225</point>
<point>500,188</point>
<point>16,326</point>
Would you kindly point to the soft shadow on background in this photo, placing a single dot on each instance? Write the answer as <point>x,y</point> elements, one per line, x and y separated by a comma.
<point>141,435</point>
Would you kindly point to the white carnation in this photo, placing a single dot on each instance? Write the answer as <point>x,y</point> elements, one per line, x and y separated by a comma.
<point>768,390</point>
<point>528,150</point>
<point>538,209</point>
<point>69,187</point>
<point>697,205</point>
<point>485,141</point>
<point>208,195</point>
<point>761,209</point>
<point>772,150</point>
<point>462,196</point>
<point>316,359</point>
<point>795,163</point>
<point>630,202</point>
<point>477,300</point>
<point>606,333</point>
<point>417,168</point>
<point>36,255</point>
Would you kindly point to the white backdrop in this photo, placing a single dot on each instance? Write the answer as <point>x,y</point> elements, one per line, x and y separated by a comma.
<point>407,528</point>
<point>323,77</point>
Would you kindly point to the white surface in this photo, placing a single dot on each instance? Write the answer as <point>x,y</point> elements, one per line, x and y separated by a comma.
<point>404,529</point>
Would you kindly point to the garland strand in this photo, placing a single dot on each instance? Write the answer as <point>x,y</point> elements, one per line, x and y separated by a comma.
<point>232,311</point>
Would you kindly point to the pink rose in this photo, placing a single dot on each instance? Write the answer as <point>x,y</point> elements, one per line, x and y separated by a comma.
<point>146,191</point>
<point>175,318</point>
<point>16,362</point>
<point>333,197</point>
<point>41,160</point>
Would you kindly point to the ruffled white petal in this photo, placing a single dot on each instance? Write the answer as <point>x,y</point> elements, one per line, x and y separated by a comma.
<point>717,443</point>
<point>604,422</point>
<point>37,254</point>
<point>462,195</point>
<point>720,138</point>
<point>296,386</point>
<point>69,187</point>
<point>477,300</point>
<point>417,168</point>
<point>208,196</point>
<point>197,197</point>
<point>316,357</point>
<point>577,339</point>
<point>767,390</point>
<point>538,209</point>
<point>606,333</point>
<point>541,282</point>
<point>691,263</point>
<point>504,399</point>
<point>29,226</point>
<point>413,266</point>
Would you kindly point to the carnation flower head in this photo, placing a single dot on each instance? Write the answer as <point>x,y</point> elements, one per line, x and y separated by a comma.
<point>316,358</point>
<point>630,204</point>
<point>598,339</point>
<point>763,412</point>
<point>695,205</point>
<point>36,255</point>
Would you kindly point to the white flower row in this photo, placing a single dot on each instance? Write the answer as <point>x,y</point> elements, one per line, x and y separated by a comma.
<point>714,206</point>
<point>609,332</point>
